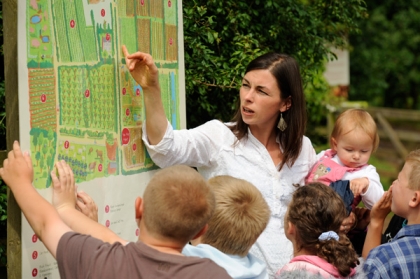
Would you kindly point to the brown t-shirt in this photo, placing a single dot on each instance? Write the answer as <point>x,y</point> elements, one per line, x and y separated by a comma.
<point>82,256</point>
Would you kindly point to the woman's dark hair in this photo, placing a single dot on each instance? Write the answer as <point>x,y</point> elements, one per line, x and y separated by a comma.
<point>286,71</point>
<point>315,209</point>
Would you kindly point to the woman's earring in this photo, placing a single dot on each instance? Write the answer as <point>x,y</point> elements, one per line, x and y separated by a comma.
<point>282,124</point>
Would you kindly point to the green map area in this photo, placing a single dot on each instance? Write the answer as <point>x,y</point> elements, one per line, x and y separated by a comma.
<point>84,106</point>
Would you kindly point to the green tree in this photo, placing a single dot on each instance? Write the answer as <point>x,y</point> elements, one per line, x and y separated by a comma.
<point>49,163</point>
<point>45,148</point>
<point>222,37</point>
<point>41,164</point>
<point>40,140</point>
<point>385,65</point>
<point>34,139</point>
<point>37,157</point>
<point>51,136</point>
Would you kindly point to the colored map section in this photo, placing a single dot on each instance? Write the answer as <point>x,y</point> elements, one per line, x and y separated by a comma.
<point>84,106</point>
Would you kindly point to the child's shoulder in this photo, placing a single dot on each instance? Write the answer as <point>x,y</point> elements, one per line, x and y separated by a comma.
<point>398,254</point>
<point>307,265</point>
<point>236,266</point>
<point>409,232</point>
<point>405,243</point>
<point>322,153</point>
<point>201,250</point>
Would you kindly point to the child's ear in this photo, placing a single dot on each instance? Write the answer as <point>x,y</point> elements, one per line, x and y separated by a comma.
<point>291,229</point>
<point>138,207</point>
<point>333,144</point>
<point>202,231</point>
<point>415,199</point>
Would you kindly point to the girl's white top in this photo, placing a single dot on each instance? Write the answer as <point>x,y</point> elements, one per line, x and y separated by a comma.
<point>210,147</point>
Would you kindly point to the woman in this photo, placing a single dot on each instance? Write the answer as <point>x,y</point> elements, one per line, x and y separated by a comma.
<point>264,143</point>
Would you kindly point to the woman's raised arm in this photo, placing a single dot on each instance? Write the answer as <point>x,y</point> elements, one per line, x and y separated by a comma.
<point>144,71</point>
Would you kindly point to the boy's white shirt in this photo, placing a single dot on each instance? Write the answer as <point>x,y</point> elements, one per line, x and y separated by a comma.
<point>248,267</point>
<point>375,189</point>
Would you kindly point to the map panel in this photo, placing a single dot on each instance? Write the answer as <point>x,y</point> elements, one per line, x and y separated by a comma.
<point>78,102</point>
<point>84,106</point>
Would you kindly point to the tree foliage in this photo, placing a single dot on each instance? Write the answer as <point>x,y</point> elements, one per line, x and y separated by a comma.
<point>222,37</point>
<point>385,65</point>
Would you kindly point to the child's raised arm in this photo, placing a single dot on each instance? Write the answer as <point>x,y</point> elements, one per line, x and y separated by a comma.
<point>17,173</point>
<point>377,218</point>
<point>64,200</point>
<point>87,205</point>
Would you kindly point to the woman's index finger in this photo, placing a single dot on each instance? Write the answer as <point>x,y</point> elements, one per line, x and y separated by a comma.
<point>17,152</point>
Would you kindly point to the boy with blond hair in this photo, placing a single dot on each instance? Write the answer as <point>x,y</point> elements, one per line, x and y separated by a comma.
<point>240,216</point>
<point>400,257</point>
<point>166,217</point>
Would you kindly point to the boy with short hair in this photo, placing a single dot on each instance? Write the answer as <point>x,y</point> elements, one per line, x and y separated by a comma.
<point>164,228</point>
<point>400,257</point>
<point>240,216</point>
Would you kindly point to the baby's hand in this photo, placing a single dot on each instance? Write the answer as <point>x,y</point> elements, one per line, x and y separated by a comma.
<point>17,168</point>
<point>359,185</point>
<point>64,190</point>
<point>87,206</point>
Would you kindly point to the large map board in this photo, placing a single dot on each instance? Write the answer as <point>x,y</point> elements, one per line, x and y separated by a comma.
<point>78,102</point>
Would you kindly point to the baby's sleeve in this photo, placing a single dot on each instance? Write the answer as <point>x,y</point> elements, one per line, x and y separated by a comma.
<point>375,189</point>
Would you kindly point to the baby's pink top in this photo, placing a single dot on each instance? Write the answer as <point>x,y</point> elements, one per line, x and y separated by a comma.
<point>327,171</point>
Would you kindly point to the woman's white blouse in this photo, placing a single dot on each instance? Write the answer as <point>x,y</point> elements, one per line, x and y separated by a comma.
<point>210,148</point>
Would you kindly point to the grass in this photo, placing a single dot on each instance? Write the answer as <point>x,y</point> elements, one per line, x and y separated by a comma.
<point>388,171</point>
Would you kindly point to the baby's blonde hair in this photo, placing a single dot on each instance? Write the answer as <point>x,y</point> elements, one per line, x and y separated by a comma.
<point>177,203</point>
<point>352,119</point>
<point>241,215</point>
<point>413,158</point>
